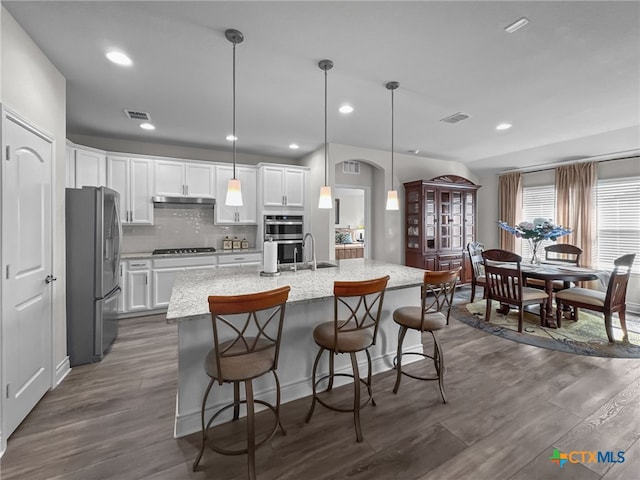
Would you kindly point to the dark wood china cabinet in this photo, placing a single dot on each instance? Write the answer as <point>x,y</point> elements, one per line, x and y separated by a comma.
<point>440,219</point>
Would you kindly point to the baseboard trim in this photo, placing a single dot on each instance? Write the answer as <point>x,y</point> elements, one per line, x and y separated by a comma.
<point>190,422</point>
<point>62,370</point>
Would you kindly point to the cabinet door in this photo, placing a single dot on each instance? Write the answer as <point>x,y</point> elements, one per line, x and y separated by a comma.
<point>248,213</point>
<point>272,187</point>
<point>163,280</point>
<point>413,206</point>
<point>118,180</point>
<point>469,217</point>
<point>224,214</point>
<point>430,220</point>
<point>140,205</point>
<point>169,178</point>
<point>294,181</point>
<point>199,180</point>
<point>70,168</point>
<point>91,168</point>
<point>138,290</point>
<point>122,298</point>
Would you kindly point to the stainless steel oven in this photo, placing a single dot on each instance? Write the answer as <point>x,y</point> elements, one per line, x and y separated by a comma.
<point>287,232</point>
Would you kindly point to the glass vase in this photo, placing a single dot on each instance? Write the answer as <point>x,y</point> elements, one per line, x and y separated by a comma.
<point>533,248</point>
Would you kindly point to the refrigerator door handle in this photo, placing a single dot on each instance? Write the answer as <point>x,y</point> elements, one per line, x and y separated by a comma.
<point>49,279</point>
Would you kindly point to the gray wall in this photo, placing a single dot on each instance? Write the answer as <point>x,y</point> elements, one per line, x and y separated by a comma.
<point>43,104</point>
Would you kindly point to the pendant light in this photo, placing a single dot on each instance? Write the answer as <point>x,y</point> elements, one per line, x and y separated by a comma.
<point>392,195</point>
<point>234,192</point>
<point>325,191</point>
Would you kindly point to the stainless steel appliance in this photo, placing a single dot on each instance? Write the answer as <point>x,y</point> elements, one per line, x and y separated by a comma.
<point>93,236</point>
<point>287,232</point>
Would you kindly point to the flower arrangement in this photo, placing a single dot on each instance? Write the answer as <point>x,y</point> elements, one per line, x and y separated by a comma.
<point>535,232</point>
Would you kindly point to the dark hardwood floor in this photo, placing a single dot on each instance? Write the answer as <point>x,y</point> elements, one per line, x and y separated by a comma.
<point>509,405</point>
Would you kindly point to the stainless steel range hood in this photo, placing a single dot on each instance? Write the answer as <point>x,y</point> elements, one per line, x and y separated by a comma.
<point>162,200</point>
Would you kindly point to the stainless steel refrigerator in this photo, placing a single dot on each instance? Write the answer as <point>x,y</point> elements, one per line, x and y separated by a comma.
<point>93,237</point>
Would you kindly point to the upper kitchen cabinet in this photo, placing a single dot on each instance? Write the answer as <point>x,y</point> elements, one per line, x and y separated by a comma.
<point>247,213</point>
<point>132,178</point>
<point>184,179</point>
<point>283,186</point>
<point>85,167</point>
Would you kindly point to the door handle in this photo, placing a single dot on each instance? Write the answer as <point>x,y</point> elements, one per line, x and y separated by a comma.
<point>49,279</point>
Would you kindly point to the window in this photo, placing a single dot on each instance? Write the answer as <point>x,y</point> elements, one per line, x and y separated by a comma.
<point>618,220</point>
<point>537,202</point>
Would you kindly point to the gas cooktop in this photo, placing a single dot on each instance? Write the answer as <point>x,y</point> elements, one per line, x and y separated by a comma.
<point>178,251</point>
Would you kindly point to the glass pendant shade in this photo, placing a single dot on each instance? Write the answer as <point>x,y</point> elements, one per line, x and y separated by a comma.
<point>234,193</point>
<point>325,197</point>
<point>392,200</point>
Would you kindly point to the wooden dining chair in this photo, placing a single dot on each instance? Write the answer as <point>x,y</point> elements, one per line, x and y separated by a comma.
<point>356,314</point>
<point>614,300</point>
<point>430,316</point>
<point>558,253</point>
<point>475,250</point>
<point>246,341</point>
<point>505,285</point>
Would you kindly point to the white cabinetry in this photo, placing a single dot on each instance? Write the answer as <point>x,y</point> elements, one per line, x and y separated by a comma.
<point>239,259</point>
<point>247,213</point>
<point>165,271</point>
<point>122,298</point>
<point>131,178</point>
<point>283,186</point>
<point>85,167</point>
<point>138,297</point>
<point>184,179</point>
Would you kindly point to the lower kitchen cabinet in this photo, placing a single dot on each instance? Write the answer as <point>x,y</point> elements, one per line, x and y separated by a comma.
<point>239,259</point>
<point>165,271</point>
<point>138,296</point>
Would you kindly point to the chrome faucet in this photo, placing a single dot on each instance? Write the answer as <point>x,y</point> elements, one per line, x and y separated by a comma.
<point>313,251</point>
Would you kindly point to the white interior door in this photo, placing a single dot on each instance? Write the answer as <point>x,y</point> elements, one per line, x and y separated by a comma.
<point>26,258</point>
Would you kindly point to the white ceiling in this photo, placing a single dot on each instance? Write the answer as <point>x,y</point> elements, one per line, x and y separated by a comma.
<point>569,82</point>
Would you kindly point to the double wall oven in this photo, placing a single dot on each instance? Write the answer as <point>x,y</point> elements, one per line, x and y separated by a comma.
<point>287,232</point>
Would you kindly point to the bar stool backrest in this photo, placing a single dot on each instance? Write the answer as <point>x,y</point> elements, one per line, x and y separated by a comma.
<point>358,305</point>
<point>245,324</point>
<point>438,289</point>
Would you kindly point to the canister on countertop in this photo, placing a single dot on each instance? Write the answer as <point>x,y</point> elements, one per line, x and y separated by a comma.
<point>227,243</point>
<point>244,244</point>
<point>236,243</point>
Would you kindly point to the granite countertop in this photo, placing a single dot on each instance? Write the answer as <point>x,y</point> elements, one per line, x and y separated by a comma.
<point>146,255</point>
<point>191,289</point>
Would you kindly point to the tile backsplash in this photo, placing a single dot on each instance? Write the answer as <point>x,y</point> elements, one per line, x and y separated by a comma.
<point>183,228</point>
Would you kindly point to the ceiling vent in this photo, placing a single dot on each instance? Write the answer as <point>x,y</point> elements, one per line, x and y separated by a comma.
<point>351,167</point>
<point>135,115</point>
<point>455,118</point>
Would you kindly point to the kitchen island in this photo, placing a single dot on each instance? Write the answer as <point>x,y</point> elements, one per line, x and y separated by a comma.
<point>310,302</point>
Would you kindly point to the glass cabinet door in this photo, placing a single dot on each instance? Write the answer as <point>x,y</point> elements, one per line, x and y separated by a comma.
<point>469,217</point>
<point>414,222</point>
<point>430,220</point>
<point>451,219</point>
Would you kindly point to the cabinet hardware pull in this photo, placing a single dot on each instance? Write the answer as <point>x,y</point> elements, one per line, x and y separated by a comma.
<point>49,279</point>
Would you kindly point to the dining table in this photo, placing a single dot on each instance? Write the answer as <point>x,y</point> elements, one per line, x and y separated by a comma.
<point>550,272</point>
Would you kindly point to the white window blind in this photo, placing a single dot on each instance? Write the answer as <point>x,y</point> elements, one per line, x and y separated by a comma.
<point>537,202</point>
<point>618,203</point>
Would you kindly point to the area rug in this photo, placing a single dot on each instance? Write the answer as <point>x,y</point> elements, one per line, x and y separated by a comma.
<point>587,336</point>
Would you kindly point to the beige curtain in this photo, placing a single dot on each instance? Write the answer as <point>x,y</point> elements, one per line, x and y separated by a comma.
<point>575,203</point>
<point>510,198</point>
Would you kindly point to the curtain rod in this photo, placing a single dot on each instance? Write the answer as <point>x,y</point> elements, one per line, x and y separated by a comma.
<point>562,164</point>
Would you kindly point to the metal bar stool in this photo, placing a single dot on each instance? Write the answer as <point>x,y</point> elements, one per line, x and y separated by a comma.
<point>246,341</point>
<point>432,315</point>
<point>357,309</point>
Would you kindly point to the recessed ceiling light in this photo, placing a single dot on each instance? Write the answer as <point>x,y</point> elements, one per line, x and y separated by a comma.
<point>231,138</point>
<point>345,109</point>
<point>147,126</point>
<point>517,25</point>
<point>119,58</point>
<point>503,126</point>
<point>294,146</point>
